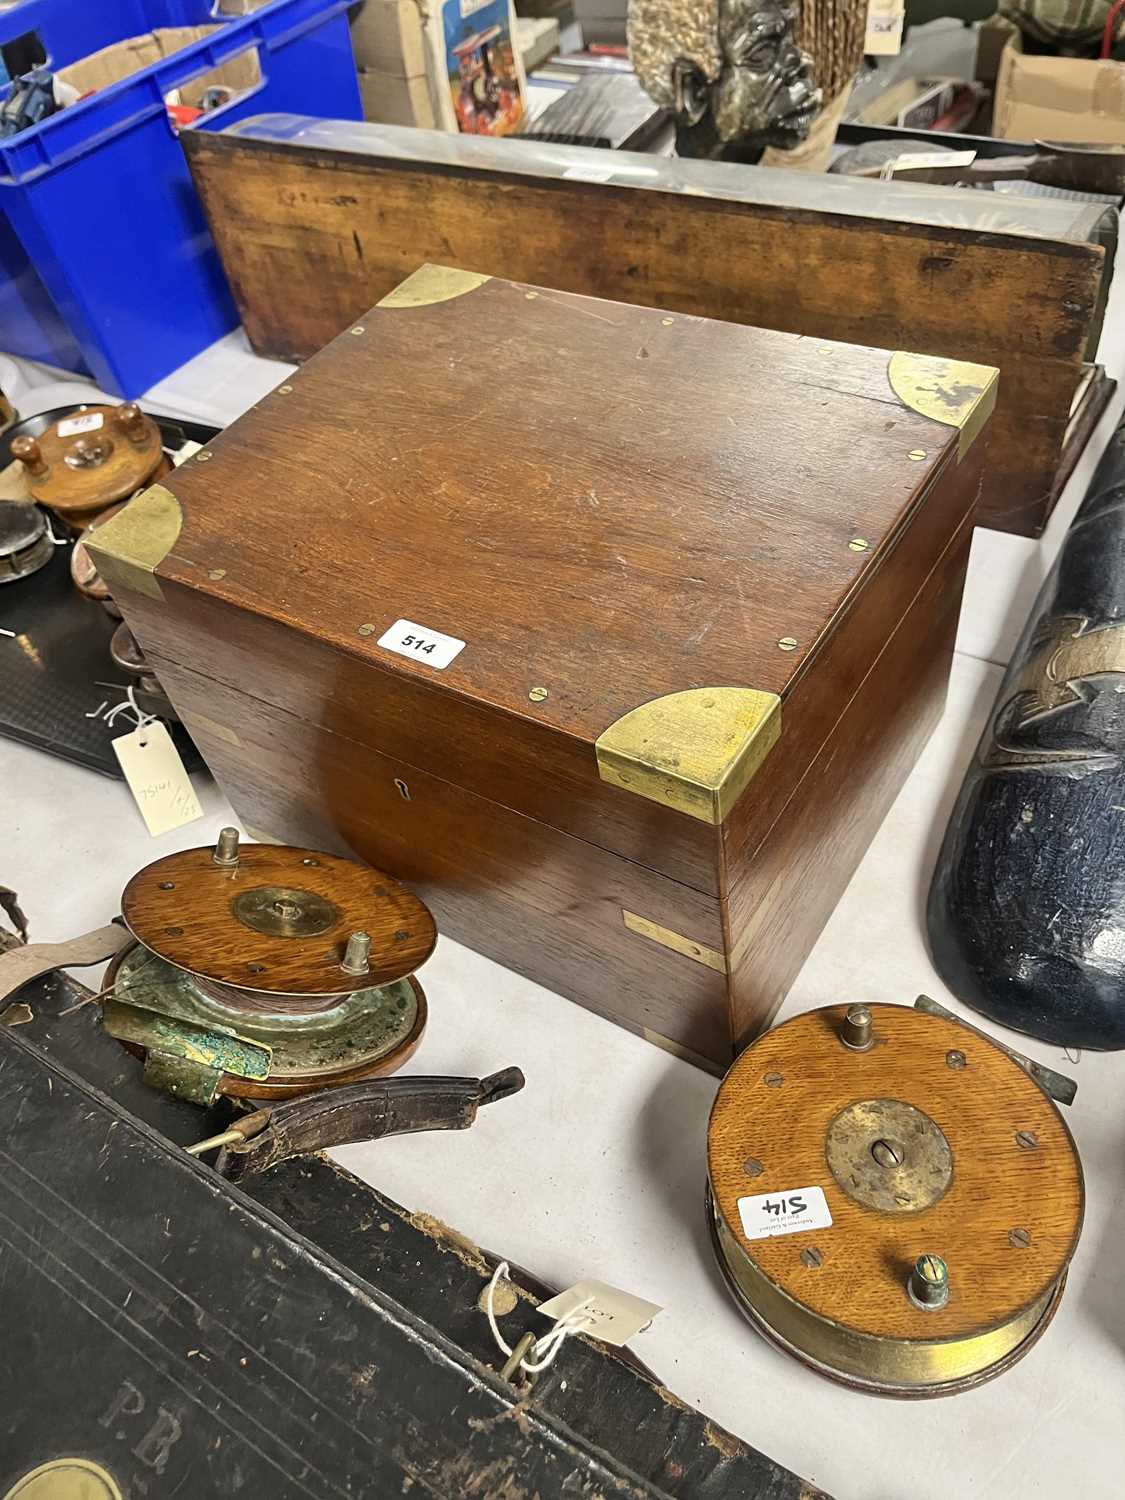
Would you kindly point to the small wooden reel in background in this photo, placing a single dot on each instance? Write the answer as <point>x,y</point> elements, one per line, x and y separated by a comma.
<point>91,459</point>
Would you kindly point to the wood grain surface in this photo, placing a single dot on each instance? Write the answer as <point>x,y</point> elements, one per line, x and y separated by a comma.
<point>821,693</point>
<point>182,907</point>
<point>577,523</point>
<point>780,897</point>
<point>539,902</point>
<point>996,1186</point>
<point>552,779</point>
<point>608,527</point>
<point>347,228</point>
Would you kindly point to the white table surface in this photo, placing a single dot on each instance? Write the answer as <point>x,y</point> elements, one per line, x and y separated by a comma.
<point>597,1168</point>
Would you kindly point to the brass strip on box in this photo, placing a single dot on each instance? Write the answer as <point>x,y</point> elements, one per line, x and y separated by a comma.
<point>676,941</point>
<point>131,545</point>
<point>952,391</point>
<point>694,751</point>
<point>685,1054</point>
<point>217,731</point>
<point>429,284</point>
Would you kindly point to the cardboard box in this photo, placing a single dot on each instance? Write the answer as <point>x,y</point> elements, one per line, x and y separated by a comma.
<point>393,100</point>
<point>122,59</point>
<point>454,66</point>
<point>1059,99</point>
<point>910,103</point>
<point>537,37</point>
<point>389,36</point>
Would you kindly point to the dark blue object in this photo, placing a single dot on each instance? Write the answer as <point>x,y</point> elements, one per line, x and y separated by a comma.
<point>72,29</point>
<point>30,99</point>
<point>1027,907</point>
<point>106,263</point>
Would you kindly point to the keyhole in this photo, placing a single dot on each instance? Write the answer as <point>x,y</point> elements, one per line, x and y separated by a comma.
<point>403,789</point>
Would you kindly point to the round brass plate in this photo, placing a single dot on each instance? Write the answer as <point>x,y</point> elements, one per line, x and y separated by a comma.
<point>281,911</point>
<point>65,1479</point>
<point>868,1129</point>
<point>888,1155</point>
<point>225,924</point>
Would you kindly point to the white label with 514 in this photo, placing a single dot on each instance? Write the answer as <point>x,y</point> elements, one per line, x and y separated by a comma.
<point>429,647</point>
<point>89,422</point>
<point>768,1214</point>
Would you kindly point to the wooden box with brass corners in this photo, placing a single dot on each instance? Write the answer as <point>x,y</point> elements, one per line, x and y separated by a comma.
<point>894,1197</point>
<point>613,633</point>
<point>346,210</point>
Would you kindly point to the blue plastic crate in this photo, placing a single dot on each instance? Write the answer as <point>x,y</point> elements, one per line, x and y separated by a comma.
<point>72,29</point>
<point>106,263</point>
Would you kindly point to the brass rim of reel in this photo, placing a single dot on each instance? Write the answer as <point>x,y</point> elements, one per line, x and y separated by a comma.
<point>922,1139</point>
<point>881,1367</point>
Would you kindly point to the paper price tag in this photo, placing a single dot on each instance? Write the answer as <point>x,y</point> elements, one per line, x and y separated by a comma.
<point>885,20</point>
<point>155,773</point>
<point>789,1212</point>
<point>89,422</point>
<point>916,161</point>
<point>611,1316</point>
<point>429,647</point>
<point>588,174</point>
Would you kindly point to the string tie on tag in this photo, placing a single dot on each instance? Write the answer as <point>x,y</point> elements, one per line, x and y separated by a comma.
<point>129,705</point>
<point>544,1350</point>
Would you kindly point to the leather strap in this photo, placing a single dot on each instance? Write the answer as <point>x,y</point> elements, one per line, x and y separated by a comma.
<point>10,904</point>
<point>362,1112</point>
<point>20,965</point>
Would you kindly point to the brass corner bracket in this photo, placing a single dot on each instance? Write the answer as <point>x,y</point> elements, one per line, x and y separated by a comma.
<point>693,751</point>
<point>952,391</point>
<point>429,284</point>
<point>130,546</point>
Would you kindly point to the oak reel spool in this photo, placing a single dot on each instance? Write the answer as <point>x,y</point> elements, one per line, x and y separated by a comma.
<point>264,971</point>
<point>91,459</point>
<point>892,1198</point>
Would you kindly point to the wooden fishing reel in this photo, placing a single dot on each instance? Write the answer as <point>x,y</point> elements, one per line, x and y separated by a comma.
<point>91,459</point>
<point>25,542</point>
<point>264,971</point>
<point>893,1199</point>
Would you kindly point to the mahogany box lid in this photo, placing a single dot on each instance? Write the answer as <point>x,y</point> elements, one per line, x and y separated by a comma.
<point>611,507</point>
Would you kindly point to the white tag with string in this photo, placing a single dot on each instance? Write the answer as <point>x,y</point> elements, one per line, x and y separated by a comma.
<point>591,1307</point>
<point>152,766</point>
<point>603,1312</point>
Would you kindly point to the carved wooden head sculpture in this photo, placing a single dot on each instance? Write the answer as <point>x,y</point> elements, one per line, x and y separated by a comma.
<point>744,74</point>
